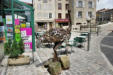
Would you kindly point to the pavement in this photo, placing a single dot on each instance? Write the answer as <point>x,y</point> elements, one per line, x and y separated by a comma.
<point>1,50</point>
<point>83,62</point>
<point>107,47</point>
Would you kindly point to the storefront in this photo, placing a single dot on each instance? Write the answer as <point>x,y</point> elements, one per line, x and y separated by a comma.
<point>44,26</point>
<point>62,22</point>
<point>18,23</point>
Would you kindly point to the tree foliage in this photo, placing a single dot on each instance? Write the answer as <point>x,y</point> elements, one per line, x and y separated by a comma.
<point>14,49</point>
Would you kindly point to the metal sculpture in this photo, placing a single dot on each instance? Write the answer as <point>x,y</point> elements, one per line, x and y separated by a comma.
<point>57,36</point>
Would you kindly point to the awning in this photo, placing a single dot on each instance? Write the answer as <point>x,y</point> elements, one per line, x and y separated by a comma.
<point>61,20</point>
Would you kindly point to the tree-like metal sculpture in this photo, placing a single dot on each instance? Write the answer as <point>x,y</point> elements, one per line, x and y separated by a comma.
<point>58,36</point>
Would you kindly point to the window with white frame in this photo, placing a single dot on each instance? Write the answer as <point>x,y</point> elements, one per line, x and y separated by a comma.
<point>50,15</point>
<point>90,14</point>
<point>79,14</point>
<point>39,7</point>
<point>90,4</point>
<point>45,1</point>
<point>80,4</point>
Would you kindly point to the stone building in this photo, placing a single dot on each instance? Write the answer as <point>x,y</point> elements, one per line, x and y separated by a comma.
<point>104,15</point>
<point>61,11</point>
<point>44,14</point>
<point>54,13</point>
<point>81,11</point>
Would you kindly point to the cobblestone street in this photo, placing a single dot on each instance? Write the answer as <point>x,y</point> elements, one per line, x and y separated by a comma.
<point>83,62</point>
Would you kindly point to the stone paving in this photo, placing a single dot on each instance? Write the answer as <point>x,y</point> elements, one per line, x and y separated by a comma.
<point>1,50</point>
<point>83,62</point>
<point>107,47</point>
<point>27,70</point>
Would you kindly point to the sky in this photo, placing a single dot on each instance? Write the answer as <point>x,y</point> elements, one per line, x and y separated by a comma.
<point>104,4</point>
<point>100,5</point>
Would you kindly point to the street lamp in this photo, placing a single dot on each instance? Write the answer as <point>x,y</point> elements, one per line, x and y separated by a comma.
<point>89,23</point>
<point>89,33</point>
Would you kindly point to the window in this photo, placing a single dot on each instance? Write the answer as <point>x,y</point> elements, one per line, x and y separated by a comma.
<point>67,15</point>
<point>90,14</point>
<point>50,15</point>
<point>59,15</point>
<point>80,14</point>
<point>90,4</point>
<point>67,6</point>
<point>39,7</point>
<point>80,4</point>
<point>44,1</point>
<point>59,6</point>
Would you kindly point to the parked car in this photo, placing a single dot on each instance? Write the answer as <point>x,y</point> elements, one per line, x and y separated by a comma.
<point>85,34</point>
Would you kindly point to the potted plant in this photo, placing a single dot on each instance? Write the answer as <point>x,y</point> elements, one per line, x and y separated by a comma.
<point>14,50</point>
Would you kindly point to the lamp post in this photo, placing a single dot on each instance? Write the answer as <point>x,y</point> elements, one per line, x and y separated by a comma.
<point>89,34</point>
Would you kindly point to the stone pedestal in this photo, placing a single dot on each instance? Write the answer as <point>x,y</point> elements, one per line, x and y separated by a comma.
<point>65,62</point>
<point>55,68</point>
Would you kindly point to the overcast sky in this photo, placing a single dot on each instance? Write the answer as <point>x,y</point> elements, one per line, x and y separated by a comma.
<point>101,4</point>
<point>105,4</point>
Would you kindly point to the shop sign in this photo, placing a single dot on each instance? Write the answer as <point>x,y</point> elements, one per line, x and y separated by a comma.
<point>18,37</point>
<point>2,38</point>
<point>17,30</point>
<point>10,35</point>
<point>1,19</point>
<point>27,24</point>
<point>27,39</point>
<point>23,25</point>
<point>9,29</point>
<point>9,19</point>
<point>1,28</point>
<point>62,20</point>
<point>26,34</point>
<point>9,25</point>
<point>17,22</point>
<point>26,31</point>
<point>17,26</point>
<point>28,46</point>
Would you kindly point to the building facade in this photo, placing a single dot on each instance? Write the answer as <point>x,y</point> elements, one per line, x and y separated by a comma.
<point>104,16</point>
<point>81,11</point>
<point>44,14</point>
<point>61,13</point>
<point>54,13</point>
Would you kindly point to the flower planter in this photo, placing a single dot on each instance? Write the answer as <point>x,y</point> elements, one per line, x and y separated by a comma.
<point>21,60</point>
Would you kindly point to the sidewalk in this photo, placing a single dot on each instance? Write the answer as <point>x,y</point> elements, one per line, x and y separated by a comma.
<point>82,61</point>
<point>1,51</point>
